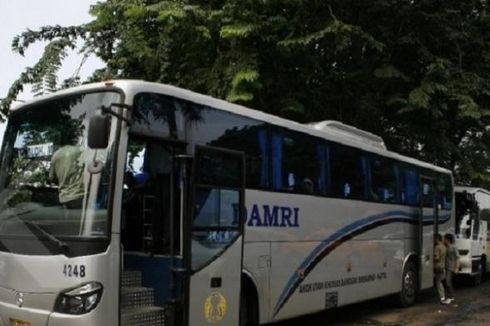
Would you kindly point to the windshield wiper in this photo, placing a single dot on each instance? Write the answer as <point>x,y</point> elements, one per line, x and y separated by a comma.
<point>60,244</point>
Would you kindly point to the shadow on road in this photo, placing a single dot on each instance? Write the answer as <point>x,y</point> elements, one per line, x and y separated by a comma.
<point>356,314</point>
<point>471,301</point>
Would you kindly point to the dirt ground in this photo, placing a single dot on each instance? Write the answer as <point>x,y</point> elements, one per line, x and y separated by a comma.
<point>472,307</point>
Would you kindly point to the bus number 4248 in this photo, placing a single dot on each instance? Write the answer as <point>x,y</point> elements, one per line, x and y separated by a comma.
<point>74,270</point>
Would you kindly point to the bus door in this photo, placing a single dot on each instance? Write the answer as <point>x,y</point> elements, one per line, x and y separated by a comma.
<point>214,237</point>
<point>427,227</point>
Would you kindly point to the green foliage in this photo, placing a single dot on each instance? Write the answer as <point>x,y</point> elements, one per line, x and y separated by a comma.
<point>236,31</point>
<point>415,72</point>
<point>242,85</point>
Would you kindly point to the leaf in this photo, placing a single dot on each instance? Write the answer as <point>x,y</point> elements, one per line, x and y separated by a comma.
<point>236,30</point>
<point>337,29</point>
<point>203,31</point>
<point>468,107</point>
<point>243,84</point>
<point>388,71</point>
<point>246,75</point>
<point>419,97</point>
<point>292,107</point>
<point>239,96</point>
<point>135,12</point>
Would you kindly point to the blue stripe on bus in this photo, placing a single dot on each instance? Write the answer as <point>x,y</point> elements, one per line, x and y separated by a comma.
<point>342,235</point>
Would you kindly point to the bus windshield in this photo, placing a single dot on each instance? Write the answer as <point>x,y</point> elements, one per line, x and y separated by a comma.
<point>52,186</point>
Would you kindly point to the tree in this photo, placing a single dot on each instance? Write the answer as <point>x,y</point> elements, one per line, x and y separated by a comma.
<point>416,72</point>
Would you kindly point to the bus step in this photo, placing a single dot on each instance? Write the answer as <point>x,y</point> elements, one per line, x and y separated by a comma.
<point>147,316</point>
<point>131,278</point>
<point>136,296</point>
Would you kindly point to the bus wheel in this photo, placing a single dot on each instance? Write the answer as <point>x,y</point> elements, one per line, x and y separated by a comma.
<point>249,315</point>
<point>408,294</point>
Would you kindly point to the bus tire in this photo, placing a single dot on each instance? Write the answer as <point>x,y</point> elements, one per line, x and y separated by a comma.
<point>408,293</point>
<point>249,308</point>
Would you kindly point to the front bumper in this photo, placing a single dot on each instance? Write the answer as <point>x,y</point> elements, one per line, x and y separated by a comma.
<point>32,308</point>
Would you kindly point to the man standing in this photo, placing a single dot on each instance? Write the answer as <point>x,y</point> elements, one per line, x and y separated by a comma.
<point>439,266</point>
<point>67,172</point>
<point>452,265</point>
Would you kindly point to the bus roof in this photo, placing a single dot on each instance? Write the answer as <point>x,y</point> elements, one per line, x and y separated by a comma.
<point>337,132</point>
<point>471,190</point>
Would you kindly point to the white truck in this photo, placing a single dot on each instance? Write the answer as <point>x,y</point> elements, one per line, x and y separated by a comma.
<point>472,216</point>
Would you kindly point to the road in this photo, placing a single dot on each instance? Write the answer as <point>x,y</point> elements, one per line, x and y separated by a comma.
<point>472,308</point>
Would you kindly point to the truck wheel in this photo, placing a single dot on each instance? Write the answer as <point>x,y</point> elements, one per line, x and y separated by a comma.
<point>484,268</point>
<point>477,278</point>
<point>410,282</point>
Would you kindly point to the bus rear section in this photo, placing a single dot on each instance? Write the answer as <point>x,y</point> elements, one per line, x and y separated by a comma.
<point>472,216</point>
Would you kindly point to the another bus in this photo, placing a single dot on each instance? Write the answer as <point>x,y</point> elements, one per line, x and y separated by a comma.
<point>472,216</point>
<point>136,203</point>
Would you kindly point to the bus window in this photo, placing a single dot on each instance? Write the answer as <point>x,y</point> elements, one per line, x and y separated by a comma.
<point>347,172</point>
<point>216,208</point>
<point>383,180</point>
<point>167,117</point>
<point>298,163</point>
<point>445,193</point>
<point>226,130</point>
<point>410,187</point>
<point>428,192</point>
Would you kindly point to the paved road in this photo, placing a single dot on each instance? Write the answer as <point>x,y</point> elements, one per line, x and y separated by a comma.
<point>472,308</point>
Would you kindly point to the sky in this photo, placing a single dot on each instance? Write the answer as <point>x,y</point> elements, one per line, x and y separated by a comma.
<point>18,15</point>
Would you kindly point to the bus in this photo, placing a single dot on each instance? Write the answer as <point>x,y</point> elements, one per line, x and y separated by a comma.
<point>472,216</point>
<point>134,203</point>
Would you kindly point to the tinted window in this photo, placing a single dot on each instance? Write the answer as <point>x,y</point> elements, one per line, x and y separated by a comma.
<point>445,194</point>
<point>216,207</point>
<point>428,192</point>
<point>298,163</point>
<point>158,115</point>
<point>383,186</point>
<point>253,141</point>
<point>409,186</point>
<point>216,210</point>
<point>216,169</point>
<point>348,171</point>
<point>168,117</point>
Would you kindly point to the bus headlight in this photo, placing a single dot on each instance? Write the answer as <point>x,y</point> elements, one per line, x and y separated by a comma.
<point>79,300</point>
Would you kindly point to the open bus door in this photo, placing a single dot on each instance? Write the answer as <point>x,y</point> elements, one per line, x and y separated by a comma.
<point>427,228</point>
<point>214,238</point>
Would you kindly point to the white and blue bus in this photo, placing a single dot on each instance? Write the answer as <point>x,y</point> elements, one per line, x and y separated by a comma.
<point>136,203</point>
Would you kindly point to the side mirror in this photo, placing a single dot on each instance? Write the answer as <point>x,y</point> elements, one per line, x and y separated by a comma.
<point>98,131</point>
<point>485,214</point>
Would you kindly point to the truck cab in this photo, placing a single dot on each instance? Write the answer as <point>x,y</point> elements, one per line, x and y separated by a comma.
<point>472,206</point>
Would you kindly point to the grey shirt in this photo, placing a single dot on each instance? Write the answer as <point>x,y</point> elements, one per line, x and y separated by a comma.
<point>67,171</point>
<point>452,257</point>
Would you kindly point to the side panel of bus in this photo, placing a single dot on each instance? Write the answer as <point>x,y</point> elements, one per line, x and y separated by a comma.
<point>329,252</point>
